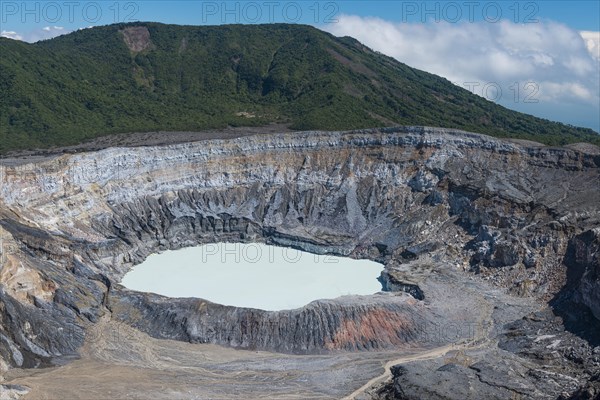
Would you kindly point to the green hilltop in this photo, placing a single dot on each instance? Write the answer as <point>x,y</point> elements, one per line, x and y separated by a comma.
<point>149,76</point>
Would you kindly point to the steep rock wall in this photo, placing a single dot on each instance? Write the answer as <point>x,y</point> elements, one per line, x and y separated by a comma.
<point>77,223</point>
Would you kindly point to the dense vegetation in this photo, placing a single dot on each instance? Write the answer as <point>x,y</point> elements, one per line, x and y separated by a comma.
<point>91,83</point>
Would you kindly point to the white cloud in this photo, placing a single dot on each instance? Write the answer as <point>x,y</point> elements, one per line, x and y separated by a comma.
<point>557,92</point>
<point>563,64</point>
<point>53,28</point>
<point>11,35</point>
<point>47,32</point>
<point>592,42</point>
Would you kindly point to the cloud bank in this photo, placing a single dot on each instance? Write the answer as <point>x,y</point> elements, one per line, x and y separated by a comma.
<point>47,32</point>
<point>536,68</point>
<point>11,35</point>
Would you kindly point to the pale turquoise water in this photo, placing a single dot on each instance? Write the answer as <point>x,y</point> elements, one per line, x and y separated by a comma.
<point>253,275</point>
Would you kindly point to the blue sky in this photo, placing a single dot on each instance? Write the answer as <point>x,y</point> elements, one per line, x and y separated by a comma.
<point>23,16</point>
<point>539,57</point>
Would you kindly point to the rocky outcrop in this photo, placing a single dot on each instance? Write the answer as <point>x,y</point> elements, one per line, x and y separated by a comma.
<point>589,392</point>
<point>523,217</point>
<point>583,257</point>
<point>535,359</point>
<point>390,282</point>
<point>10,392</point>
<point>346,323</point>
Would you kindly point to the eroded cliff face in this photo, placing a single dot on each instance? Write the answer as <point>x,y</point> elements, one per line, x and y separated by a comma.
<point>525,217</point>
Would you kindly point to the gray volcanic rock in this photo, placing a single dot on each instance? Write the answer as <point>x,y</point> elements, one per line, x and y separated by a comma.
<point>535,359</point>
<point>347,323</point>
<point>9,392</point>
<point>451,381</point>
<point>524,218</point>
<point>590,391</point>
<point>585,261</point>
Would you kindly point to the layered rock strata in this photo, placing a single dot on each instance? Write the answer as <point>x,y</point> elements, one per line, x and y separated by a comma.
<point>523,216</point>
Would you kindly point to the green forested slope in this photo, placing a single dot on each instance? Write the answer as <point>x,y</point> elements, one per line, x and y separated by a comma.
<point>91,83</point>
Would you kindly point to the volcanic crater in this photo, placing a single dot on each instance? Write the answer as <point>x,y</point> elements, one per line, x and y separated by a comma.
<point>483,240</point>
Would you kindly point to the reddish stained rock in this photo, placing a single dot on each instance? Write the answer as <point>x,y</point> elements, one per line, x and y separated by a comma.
<point>378,325</point>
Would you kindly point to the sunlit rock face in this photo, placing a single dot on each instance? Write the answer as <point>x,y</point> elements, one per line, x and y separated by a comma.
<point>74,225</point>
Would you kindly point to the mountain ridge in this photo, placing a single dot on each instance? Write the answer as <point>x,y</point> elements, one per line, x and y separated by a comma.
<point>149,76</point>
